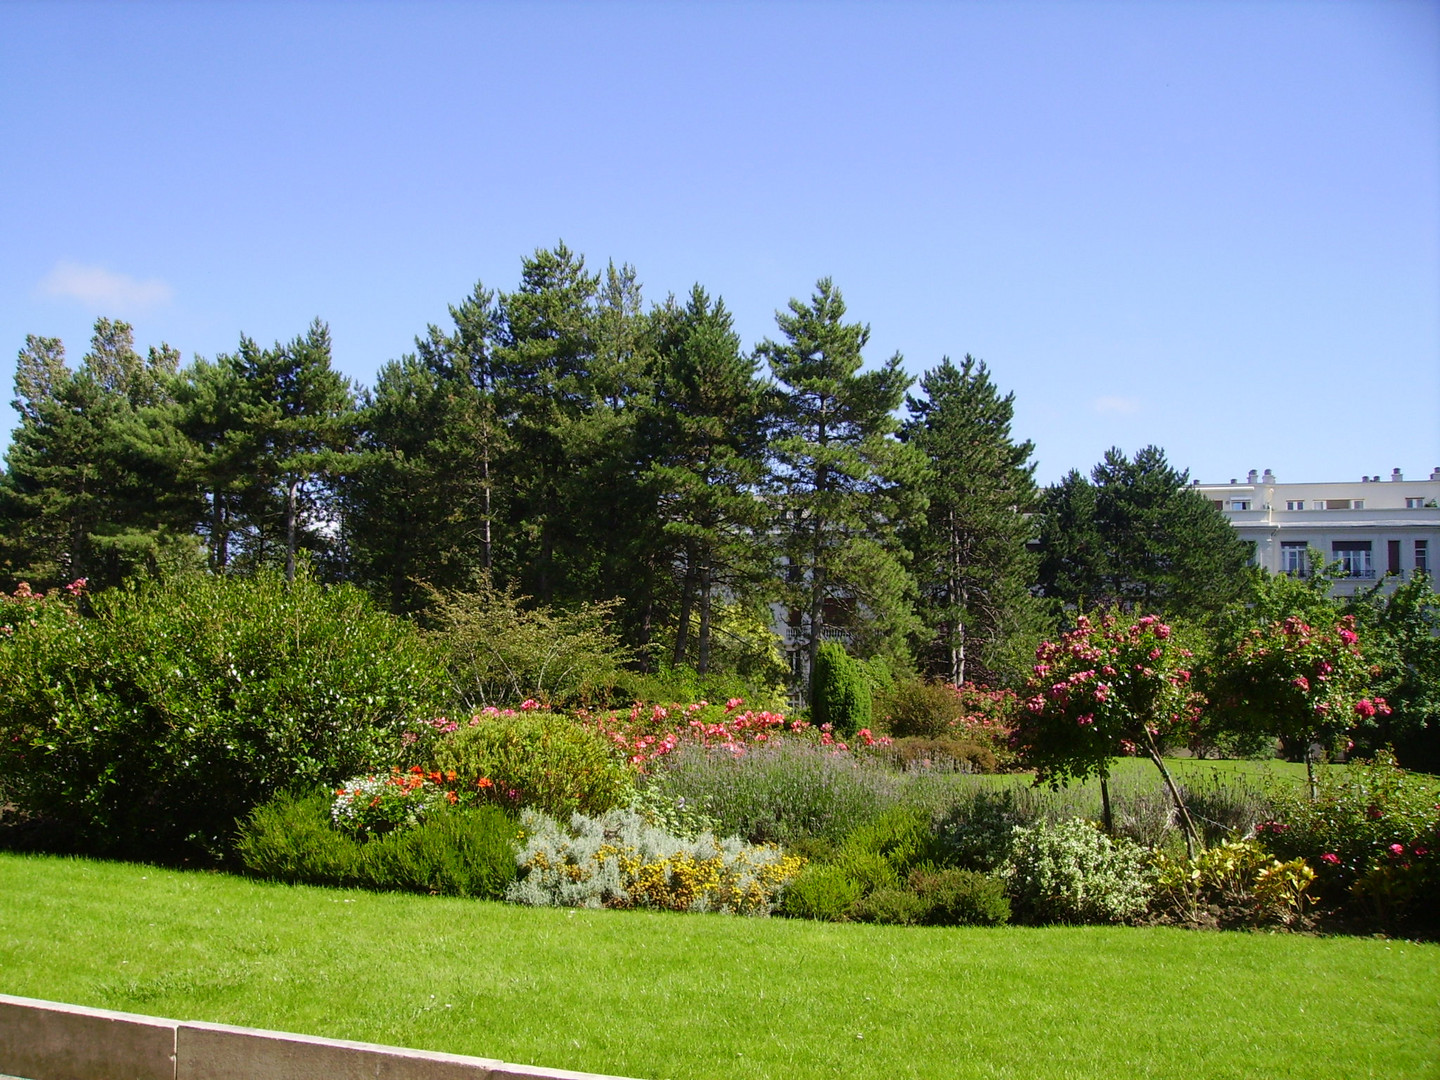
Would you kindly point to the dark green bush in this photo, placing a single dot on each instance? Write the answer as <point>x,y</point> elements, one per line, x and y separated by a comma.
<point>960,897</point>
<point>918,708</point>
<point>150,727</point>
<point>903,836</point>
<point>893,906</point>
<point>464,852</point>
<point>822,891</point>
<point>839,691</point>
<point>550,762</point>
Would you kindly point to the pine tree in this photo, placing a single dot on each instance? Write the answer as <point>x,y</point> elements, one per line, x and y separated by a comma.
<point>297,415</point>
<point>1138,537</point>
<point>418,498</point>
<point>706,440</point>
<point>91,487</point>
<point>844,482</point>
<point>971,560</point>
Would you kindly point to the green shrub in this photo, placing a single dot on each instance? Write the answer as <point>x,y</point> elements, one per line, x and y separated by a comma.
<point>868,869</point>
<point>463,852</point>
<point>839,691</point>
<point>960,897</point>
<point>1370,835</point>
<point>619,860</point>
<point>781,792</point>
<point>1074,873</point>
<point>538,760</point>
<point>903,836</point>
<point>150,727</point>
<point>979,829</point>
<point>824,892</point>
<point>920,753</point>
<point>918,708</point>
<point>892,906</point>
<point>501,651</point>
<point>1233,882</point>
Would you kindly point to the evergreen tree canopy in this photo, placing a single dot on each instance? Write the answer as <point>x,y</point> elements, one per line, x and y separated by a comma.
<point>971,560</point>
<point>1137,536</point>
<point>845,484</point>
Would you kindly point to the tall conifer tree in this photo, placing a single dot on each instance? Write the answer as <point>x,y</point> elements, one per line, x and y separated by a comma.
<point>845,484</point>
<point>971,560</point>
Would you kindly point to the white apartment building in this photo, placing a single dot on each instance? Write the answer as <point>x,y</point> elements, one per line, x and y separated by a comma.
<point>1374,528</point>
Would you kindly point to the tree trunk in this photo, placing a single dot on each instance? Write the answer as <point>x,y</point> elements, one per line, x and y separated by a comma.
<point>1187,826</point>
<point>219,534</point>
<point>1107,817</point>
<point>687,603</point>
<point>1310,770</point>
<point>290,494</point>
<point>703,666</point>
<point>485,552</point>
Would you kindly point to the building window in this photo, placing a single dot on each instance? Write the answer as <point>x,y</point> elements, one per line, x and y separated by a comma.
<point>1344,504</point>
<point>1293,560</point>
<point>1294,504</point>
<point>1239,504</point>
<point>1354,558</point>
<point>1392,557</point>
<point>1422,556</point>
<point>1414,503</point>
<point>1219,504</point>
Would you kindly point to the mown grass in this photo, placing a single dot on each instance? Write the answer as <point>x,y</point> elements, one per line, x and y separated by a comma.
<point>654,995</point>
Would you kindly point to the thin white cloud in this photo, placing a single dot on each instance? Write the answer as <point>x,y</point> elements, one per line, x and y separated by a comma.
<point>1116,405</point>
<point>101,289</point>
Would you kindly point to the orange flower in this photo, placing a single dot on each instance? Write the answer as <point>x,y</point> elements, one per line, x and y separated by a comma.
<point>485,782</point>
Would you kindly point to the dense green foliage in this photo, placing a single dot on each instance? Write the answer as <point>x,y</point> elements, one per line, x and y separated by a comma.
<point>839,691</point>
<point>150,726</point>
<point>537,760</point>
<point>462,852</point>
<point>971,561</point>
<point>1135,535</point>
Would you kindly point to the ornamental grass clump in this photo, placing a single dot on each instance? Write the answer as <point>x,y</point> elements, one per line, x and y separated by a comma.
<point>1074,873</point>
<point>780,792</point>
<point>618,860</point>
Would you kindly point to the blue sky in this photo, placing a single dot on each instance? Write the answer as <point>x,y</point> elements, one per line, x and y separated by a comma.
<point>1211,226</point>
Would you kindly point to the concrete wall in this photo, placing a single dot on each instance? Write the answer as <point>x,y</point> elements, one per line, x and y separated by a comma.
<point>44,1040</point>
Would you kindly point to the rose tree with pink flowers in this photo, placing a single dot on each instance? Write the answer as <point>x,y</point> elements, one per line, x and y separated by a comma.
<point>1303,683</point>
<point>1110,687</point>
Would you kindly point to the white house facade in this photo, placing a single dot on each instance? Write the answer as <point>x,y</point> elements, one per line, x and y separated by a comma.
<point>1375,529</point>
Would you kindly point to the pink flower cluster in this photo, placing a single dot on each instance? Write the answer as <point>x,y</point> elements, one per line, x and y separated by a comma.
<point>651,731</point>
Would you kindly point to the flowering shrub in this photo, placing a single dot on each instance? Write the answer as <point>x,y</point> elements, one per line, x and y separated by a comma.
<point>532,758</point>
<point>1074,873</point>
<point>1237,880</point>
<point>780,791</point>
<point>647,733</point>
<point>368,805</point>
<point>977,720</point>
<point>1370,833</point>
<point>1107,688</point>
<point>618,860</point>
<point>1303,683</point>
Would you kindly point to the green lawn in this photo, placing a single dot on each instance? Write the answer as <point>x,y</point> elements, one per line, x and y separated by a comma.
<point>654,995</point>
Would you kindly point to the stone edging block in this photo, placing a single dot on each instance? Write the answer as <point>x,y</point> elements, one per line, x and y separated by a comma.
<point>46,1040</point>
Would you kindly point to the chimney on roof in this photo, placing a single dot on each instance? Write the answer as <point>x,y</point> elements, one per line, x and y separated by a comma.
<point>1233,480</point>
<point>1252,476</point>
<point>1269,477</point>
<point>1435,473</point>
<point>1395,475</point>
